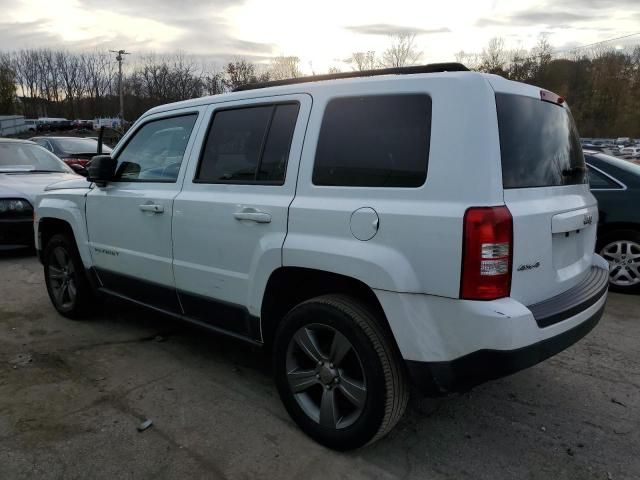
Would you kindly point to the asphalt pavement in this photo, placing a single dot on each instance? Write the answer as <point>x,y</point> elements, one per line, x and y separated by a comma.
<point>73,396</point>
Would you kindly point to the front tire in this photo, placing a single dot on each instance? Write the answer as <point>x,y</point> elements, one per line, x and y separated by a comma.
<point>621,249</point>
<point>338,374</point>
<point>67,283</point>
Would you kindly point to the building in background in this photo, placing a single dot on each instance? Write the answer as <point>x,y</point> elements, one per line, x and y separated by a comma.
<point>12,125</point>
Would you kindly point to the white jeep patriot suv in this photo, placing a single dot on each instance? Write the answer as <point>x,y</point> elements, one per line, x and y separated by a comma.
<point>428,226</point>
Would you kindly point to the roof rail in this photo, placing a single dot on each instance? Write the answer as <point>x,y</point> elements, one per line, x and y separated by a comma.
<point>430,68</point>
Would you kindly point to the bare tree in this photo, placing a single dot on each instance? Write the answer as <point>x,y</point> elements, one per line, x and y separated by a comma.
<point>362,61</point>
<point>70,68</point>
<point>543,51</point>
<point>99,72</point>
<point>284,67</point>
<point>242,72</point>
<point>470,60</point>
<point>494,57</point>
<point>213,83</point>
<point>7,84</point>
<point>402,51</point>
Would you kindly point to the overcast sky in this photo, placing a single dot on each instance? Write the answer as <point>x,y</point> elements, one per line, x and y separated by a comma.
<point>323,32</point>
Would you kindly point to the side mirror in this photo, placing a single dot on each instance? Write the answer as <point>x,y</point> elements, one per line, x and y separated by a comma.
<point>79,169</point>
<point>101,170</point>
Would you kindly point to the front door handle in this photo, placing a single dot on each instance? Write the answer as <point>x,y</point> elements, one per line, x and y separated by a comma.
<point>253,215</point>
<point>151,207</point>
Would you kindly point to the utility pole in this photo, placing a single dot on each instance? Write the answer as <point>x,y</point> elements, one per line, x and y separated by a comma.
<point>120,59</point>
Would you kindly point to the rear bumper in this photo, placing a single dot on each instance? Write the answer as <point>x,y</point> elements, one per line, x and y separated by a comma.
<point>463,373</point>
<point>16,234</point>
<point>451,345</point>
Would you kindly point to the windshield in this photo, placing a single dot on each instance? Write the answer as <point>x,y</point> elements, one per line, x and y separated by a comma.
<point>539,144</point>
<point>80,145</point>
<point>26,157</point>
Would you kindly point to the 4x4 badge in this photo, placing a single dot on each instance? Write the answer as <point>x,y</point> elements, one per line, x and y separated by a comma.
<point>524,267</point>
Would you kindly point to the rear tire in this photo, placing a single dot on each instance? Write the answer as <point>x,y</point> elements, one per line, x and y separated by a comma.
<point>67,283</point>
<point>621,248</point>
<point>332,350</point>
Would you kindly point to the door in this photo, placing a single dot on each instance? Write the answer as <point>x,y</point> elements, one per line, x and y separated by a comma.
<point>230,218</point>
<point>129,220</point>
<point>555,216</point>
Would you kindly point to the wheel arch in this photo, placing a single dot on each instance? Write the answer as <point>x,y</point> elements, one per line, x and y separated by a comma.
<point>48,226</point>
<point>289,286</point>
<point>609,228</point>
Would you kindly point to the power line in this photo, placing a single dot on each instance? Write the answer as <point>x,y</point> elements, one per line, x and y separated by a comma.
<point>596,43</point>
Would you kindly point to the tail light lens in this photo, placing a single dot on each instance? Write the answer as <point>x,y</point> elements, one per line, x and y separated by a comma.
<point>487,253</point>
<point>75,161</point>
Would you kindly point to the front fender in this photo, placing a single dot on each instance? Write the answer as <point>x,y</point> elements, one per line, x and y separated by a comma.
<point>70,210</point>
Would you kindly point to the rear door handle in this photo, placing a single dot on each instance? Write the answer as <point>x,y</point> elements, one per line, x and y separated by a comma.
<point>253,215</point>
<point>151,207</point>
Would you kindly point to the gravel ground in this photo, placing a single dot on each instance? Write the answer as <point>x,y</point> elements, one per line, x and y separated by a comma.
<point>72,395</point>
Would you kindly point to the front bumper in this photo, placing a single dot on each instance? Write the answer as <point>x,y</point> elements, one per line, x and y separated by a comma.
<point>16,233</point>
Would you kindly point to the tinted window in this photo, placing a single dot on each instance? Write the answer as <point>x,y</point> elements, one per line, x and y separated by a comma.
<point>248,145</point>
<point>44,143</point>
<point>539,143</point>
<point>276,150</point>
<point>599,181</point>
<point>156,150</point>
<point>79,145</point>
<point>374,141</point>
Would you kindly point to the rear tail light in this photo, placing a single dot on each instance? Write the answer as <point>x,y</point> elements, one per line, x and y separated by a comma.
<point>487,253</point>
<point>75,161</point>
<point>547,96</point>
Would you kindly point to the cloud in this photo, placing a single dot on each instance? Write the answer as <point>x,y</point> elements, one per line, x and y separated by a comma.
<point>535,17</point>
<point>170,11</point>
<point>388,29</point>
<point>196,27</point>
<point>567,13</point>
<point>16,35</point>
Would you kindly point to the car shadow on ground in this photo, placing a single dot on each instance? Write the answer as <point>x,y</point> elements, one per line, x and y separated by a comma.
<point>16,253</point>
<point>530,415</point>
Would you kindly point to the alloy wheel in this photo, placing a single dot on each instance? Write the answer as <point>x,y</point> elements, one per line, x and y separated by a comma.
<point>62,278</point>
<point>325,375</point>
<point>624,262</point>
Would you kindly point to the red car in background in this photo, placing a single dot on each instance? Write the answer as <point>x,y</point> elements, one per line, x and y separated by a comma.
<point>72,150</point>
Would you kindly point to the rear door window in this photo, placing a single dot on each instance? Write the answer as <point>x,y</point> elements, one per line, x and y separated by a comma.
<point>249,145</point>
<point>374,141</point>
<point>539,143</point>
<point>598,181</point>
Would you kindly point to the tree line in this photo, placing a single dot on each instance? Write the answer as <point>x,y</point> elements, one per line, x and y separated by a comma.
<point>601,85</point>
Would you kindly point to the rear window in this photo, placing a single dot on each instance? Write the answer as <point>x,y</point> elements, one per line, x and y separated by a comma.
<point>374,141</point>
<point>249,145</point>
<point>79,145</point>
<point>539,143</point>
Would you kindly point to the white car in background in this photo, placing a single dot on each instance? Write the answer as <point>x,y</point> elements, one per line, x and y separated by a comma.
<point>630,152</point>
<point>25,170</point>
